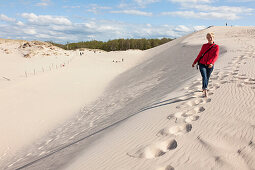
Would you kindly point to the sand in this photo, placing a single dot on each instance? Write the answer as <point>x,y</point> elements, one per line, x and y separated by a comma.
<point>161,121</point>
<point>42,91</point>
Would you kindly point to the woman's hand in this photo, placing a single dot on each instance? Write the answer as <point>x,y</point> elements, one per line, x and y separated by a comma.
<point>210,66</point>
<point>193,65</point>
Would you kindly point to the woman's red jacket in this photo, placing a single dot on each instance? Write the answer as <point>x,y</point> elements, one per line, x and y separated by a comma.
<point>210,57</point>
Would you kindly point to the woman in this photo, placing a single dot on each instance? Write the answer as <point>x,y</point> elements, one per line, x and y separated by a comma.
<point>206,58</point>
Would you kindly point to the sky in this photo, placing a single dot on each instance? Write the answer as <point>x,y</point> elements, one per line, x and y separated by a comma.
<point>65,21</point>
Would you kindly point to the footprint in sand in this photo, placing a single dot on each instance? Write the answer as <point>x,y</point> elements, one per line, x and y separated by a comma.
<point>193,103</point>
<point>224,76</point>
<point>192,118</point>
<point>175,130</point>
<point>241,77</point>
<point>249,81</point>
<point>215,77</point>
<point>234,73</point>
<point>223,82</point>
<point>188,116</point>
<point>155,150</point>
<point>214,86</point>
<point>168,167</point>
<point>193,111</point>
<point>215,73</point>
<point>241,85</point>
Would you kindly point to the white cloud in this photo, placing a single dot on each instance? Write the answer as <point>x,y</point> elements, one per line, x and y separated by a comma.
<point>240,1</point>
<point>134,4</point>
<point>19,23</point>
<point>72,6</point>
<point>221,9</point>
<point>203,15</point>
<point>183,28</point>
<point>46,19</point>
<point>92,29</point>
<point>96,9</point>
<point>30,31</point>
<point>44,36</point>
<point>5,18</point>
<point>211,12</point>
<point>191,1</point>
<point>199,9</point>
<point>145,2</point>
<point>199,27</point>
<point>43,3</point>
<point>133,12</point>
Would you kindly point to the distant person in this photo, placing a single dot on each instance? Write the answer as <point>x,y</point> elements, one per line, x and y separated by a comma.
<point>226,24</point>
<point>206,58</point>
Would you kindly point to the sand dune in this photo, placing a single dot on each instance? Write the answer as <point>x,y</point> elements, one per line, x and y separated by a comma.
<point>44,90</point>
<point>153,116</point>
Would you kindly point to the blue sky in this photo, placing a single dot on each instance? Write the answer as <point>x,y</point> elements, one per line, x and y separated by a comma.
<point>82,20</point>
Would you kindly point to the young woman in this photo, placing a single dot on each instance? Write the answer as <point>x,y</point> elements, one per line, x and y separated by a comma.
<point>206,58</point>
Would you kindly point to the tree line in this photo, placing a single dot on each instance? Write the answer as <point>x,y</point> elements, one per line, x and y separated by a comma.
<point>115,45</point>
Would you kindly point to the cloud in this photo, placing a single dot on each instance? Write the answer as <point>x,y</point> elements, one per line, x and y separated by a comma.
<point>45,19</point>
<point>143,3</point>
<point>19,23</point>
<point>134,4</point>
<point>5,18</point>
<point>211,12</point>
<point>220,9</point>
<point>29,31</point>
<point>183,28</point>
<point>96,9</point>
<point>200,9</point>
<point>59,31</point>
<point>203,15</point>
<point>133,12</point>
<point>199,27</point>
<point>43,3</point>
<point>191,1</point>
<point>72,7</point>
<point>241,1</point>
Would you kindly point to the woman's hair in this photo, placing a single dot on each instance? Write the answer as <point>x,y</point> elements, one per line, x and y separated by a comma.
<point>210,33</point>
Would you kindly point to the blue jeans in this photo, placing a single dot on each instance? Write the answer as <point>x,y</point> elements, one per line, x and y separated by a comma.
<point>205,73</point>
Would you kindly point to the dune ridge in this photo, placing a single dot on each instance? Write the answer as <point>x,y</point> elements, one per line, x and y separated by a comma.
<point>213,133</point>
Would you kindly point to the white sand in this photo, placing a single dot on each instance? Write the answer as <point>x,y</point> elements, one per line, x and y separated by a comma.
<point>194,133</point>
<point>213,133</point>
<point>41,92</point>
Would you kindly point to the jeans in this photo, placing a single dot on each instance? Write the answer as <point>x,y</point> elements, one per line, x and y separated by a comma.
<point>205,73</point>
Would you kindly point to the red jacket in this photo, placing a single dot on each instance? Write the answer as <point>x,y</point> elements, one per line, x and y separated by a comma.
<point>210,57</point>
